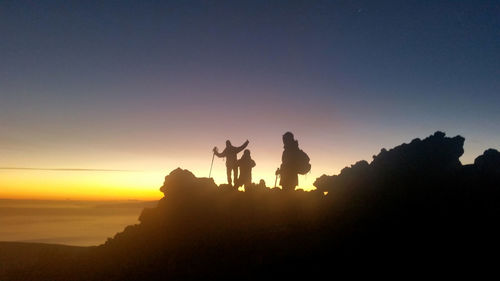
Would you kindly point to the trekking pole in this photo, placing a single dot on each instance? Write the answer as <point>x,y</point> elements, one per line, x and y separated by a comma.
<point>211,165</point>
<point>276,180</point>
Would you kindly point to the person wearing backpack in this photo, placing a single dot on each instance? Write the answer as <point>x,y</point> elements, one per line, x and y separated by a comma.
<point>294,161</point>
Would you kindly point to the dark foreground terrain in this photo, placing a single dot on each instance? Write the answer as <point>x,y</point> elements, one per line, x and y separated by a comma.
<point>414,209</point>
<point>28,261</point>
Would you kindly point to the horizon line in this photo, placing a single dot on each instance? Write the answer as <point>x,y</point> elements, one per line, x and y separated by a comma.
<point>66,169</point>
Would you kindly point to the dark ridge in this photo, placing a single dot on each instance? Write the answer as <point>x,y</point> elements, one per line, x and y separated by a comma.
<point>415,207</point>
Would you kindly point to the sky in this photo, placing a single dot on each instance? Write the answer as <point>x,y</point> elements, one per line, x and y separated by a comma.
<point>102,99</point>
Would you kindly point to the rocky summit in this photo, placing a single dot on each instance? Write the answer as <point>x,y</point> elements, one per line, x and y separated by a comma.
<point>413,207</point>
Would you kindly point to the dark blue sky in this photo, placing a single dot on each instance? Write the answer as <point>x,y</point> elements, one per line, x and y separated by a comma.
<point>152,77</point>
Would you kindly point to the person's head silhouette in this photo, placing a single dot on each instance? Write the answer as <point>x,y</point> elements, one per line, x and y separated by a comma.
<point>228,143</point>
<point>288,138</point>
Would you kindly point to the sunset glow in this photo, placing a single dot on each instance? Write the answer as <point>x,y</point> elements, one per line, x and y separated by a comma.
<point>146,88</point>
<point>248,139</point>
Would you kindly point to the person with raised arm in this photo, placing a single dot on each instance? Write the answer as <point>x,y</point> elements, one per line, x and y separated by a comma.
<point>231,152</point>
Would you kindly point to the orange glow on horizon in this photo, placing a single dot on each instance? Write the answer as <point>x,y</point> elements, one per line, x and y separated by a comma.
<point>95,185</point>
<point>80,185</point>
<point>139,176</point>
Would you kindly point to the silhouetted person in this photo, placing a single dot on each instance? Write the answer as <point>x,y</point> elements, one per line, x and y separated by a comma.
<point>293,162</point>
<point>262,184</point>
<point>230,152</point>
<point>245,164</point>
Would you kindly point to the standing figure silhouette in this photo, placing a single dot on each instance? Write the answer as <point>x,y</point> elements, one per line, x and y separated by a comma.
<point>293,162</point>
<point>245,164</point>
<point>230,152</point>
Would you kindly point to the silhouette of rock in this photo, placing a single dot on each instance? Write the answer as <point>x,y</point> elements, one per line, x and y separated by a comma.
<point>489,162</point>
<point>435,152</point>
<point>183,182</point>
<point>413,205</point>
<point>406,164</point>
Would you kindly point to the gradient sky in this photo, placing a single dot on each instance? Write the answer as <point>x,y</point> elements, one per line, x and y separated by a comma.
<point>101,100</point>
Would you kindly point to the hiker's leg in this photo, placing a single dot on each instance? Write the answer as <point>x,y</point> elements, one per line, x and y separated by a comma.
<point>247,184</point>
<point>228,171</point>
<point>288,187</point>
<point>237,182</point>
<point>235,169</point>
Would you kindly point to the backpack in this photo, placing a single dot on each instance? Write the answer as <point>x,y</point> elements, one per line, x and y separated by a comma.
<point>303,165</point>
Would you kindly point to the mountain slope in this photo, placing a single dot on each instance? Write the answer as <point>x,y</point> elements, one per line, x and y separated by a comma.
<point>414,207</point>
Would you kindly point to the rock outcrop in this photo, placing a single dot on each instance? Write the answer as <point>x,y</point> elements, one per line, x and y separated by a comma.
<point>412,205</point>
